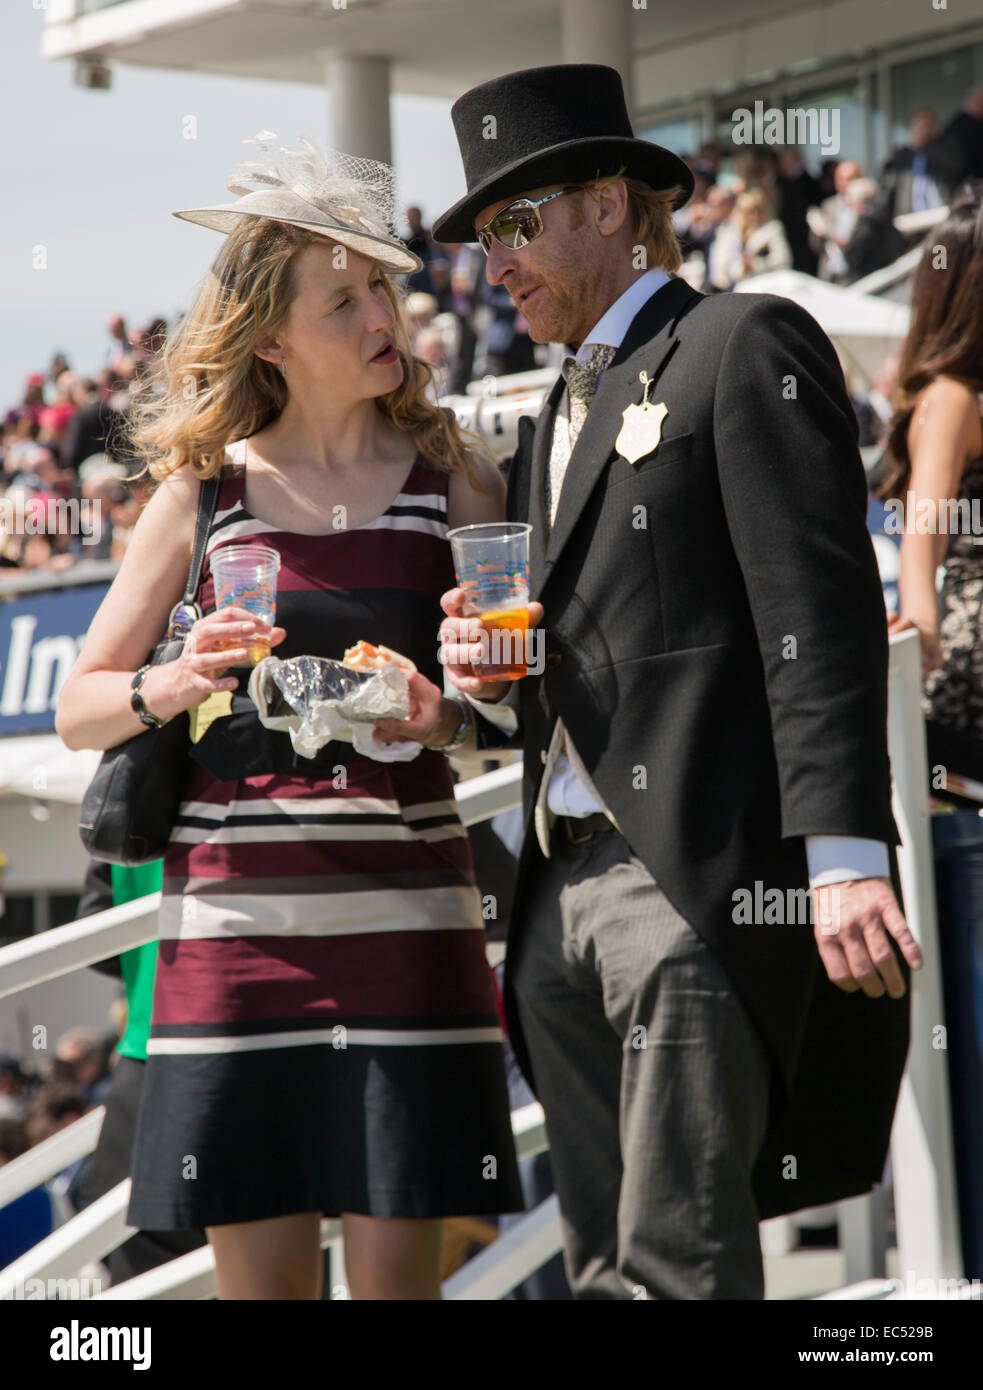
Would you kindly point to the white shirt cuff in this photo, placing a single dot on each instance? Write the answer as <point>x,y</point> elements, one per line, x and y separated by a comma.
<point>502,713</point>
<point>837,858</point>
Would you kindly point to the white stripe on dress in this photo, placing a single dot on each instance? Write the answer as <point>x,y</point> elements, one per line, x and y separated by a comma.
<point>229,833</point>
<point>202,915</point>
<point>286,805</point>
<point>365,1037</point>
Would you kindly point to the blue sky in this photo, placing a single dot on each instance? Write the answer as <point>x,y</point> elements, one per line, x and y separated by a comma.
<point>93,178</point>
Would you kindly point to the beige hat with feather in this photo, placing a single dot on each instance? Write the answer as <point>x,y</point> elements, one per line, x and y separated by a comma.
<point>350,200</point>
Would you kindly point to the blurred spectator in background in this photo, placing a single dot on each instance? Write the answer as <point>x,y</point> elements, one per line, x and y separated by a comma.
<point>54,418</point>
<point>832,222</point>
<point>416,236</point>
<point>963,139</point>
<point>920,174</point>
<point>421,310</point>
<point>430,347</point>
<point>13,1090</point>
<point>54,1105</point>
<point>20,444</point>
<point>710,155</point>
<point>875,411</point>
<point>59,363</point>
<point>875,241</point>
<point>82,1059</point>
<point>28,1218</point>
<point>761,242</point>
<point>827,177</point>
<point>508,347</point>
<point>33,402</point>
<point>797,192</point>
<point>99,426</point>
<point>687,221</point>
<point>119,348</point>
<point>467,276</point>
<point>719,237</point>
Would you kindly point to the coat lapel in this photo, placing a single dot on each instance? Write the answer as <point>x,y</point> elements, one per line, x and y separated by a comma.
<point>648,344</point>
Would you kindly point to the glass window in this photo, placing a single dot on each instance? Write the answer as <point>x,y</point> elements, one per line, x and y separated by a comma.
<point>843,101</point>
<point>683,136</point>
<point>940,82</point>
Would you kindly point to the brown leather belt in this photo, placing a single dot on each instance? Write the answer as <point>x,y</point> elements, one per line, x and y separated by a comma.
<point>579,829</point>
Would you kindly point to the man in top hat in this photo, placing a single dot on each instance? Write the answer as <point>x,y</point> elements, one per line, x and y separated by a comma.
<point>707,736</point>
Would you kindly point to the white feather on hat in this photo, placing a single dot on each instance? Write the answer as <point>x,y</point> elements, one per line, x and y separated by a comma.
<point>349,199</point>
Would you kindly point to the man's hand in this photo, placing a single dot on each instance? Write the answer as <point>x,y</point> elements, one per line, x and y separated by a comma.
<point>854,923</point>
<point>460,648</point>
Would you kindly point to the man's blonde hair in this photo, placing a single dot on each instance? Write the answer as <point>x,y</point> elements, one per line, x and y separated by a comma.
<point>650,211</point>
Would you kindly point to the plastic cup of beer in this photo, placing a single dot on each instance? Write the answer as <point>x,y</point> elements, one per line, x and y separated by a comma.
<point>245,577</point>
<point>491,561</point>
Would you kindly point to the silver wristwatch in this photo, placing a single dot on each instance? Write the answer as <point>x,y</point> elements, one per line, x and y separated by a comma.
<point>460,734</point>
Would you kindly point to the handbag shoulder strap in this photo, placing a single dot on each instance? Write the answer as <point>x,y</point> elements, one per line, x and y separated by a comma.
<point>207,500</point>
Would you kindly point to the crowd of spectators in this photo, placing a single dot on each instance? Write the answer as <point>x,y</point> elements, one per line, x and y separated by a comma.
<point>766,211</point>
<point>65,443</point>
<point>35,1103</point>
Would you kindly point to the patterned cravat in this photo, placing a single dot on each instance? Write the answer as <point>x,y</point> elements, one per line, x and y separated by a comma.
<point>582,382</point>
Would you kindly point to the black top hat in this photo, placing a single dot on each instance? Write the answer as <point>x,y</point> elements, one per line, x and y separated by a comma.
<point>563,124</point>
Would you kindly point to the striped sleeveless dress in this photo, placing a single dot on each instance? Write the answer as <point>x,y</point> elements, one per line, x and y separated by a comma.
<point>325,1034</point>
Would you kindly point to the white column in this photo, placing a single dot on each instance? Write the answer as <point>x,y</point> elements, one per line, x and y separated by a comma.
<point>600,31</point>
<point>360,106</point>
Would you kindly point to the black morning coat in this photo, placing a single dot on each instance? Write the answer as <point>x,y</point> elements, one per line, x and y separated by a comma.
<point>716,645</point>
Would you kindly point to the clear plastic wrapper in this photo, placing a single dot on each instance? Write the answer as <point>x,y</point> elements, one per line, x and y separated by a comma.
<point>315,700</point>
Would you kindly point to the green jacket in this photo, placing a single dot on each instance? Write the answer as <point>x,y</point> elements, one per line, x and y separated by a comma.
<point>138,966</point>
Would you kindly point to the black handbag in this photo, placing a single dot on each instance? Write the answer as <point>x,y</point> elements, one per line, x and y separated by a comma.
<point>130,805</point>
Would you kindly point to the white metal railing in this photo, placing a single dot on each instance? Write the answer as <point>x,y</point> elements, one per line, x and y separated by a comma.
<point>923,1162</point>
<point>924,1182</point>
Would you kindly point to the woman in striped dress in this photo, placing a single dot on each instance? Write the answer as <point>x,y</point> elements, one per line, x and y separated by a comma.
<point>324,1037</point>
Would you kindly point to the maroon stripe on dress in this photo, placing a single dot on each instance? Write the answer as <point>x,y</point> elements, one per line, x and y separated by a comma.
<point>216,860</point>
<point>220,980</point>
<point>365,778</point>
<point>329,562</point>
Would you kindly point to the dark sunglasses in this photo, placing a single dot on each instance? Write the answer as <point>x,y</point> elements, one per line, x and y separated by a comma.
<point>519,223</point>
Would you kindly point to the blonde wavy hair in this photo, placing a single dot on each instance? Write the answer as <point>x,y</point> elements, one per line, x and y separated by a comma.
<point>650,211</point>
<point>216,390</point>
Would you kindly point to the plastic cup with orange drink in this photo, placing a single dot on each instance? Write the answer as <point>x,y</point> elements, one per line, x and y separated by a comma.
<point>245,577</point>
<point>491,561</point>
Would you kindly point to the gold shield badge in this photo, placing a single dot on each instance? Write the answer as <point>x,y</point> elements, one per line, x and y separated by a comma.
<point>641,426</point>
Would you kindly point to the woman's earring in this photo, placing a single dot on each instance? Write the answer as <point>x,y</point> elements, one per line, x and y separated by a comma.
<point>283,366</point>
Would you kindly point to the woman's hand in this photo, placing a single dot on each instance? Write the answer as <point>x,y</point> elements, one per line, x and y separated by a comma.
<point>432,717</point>
<point>928,635</point>
<point>178,685</point>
